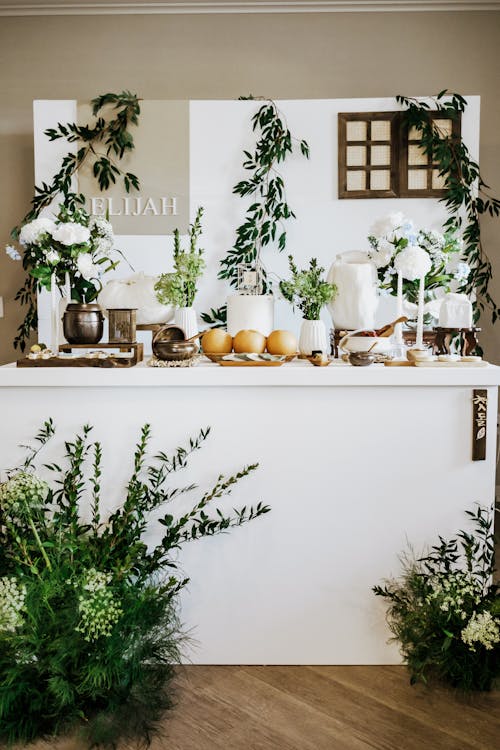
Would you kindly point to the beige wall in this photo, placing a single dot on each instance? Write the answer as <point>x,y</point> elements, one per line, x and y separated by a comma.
<point>222,56</point>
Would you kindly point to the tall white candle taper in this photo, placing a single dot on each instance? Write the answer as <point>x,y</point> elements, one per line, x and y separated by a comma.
<point>415,263</point>
<point>54,315</point>
<point>399,328</point>
<point>420,315</point>
<point>67,288</point>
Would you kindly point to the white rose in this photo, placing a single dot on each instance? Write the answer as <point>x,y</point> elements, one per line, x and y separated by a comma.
<point>86,266</point>
<point>71,234</point>
<point>382,256</point>
<point>413,262</point>
<point>32,232</point>
<point>52,257</point>
<point>387,224</point>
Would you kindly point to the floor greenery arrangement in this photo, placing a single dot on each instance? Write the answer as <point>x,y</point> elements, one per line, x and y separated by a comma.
<point>89,622</point>
<point>445,609</point>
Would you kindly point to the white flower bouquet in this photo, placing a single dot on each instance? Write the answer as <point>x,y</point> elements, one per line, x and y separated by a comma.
<point>74,245</point>
<point>391,236</point>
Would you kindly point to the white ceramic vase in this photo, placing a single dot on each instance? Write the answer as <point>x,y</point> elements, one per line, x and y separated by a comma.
<point>185,318</point>
<point>313,337</point>
<point>357,299</point>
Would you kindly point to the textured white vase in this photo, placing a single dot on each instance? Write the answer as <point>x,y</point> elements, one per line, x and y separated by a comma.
<point>356,302</point>
<point>250,312</point>
<point>185,318</point>
<point>313,337</point>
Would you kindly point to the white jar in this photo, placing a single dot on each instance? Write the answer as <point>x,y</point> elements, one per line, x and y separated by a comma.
<point>253,312</point>
<point>356,302</point>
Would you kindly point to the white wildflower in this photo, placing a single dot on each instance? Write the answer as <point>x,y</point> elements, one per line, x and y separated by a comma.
<point>481,629</point>
<point>32,233</point>
<point>23,490</point>
<point>98,607</point>
<point>12,597</point>
<point>12,252</point>
<point>71,233</point>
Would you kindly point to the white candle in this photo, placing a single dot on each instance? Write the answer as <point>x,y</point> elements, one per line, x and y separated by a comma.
<point>399,327</point>
<point>54,315</point>
<point>420,316</point>
<point>67,288</point>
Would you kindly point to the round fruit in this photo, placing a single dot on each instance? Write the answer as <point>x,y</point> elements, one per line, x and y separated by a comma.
<point>251,342</point>
<point>281,342</point>
<point>217,341</point>
<point>36,348</point>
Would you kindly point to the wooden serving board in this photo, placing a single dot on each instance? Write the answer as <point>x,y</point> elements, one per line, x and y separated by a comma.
<point>109,362</point>
<point>114,361</point>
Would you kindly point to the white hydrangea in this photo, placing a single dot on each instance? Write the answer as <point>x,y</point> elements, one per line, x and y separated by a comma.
<point>86,266</point>
<point>99,610</point>
<point>413,262</point>
<point>32,233</point>
<point>71,233</point>
<point>102,245</point>
<point>462,271</point>
<point>101,226</point>
<point>12,252</point>
<point>481,629</point>
<point>21,491</point>
<point>12,597</point>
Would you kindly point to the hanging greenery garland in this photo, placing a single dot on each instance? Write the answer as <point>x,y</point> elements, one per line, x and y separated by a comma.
<point>264,220</point>
<point>467,196</point>
<point>102,145</point>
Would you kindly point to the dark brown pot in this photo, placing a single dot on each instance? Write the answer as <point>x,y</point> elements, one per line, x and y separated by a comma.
<point>83,323</point>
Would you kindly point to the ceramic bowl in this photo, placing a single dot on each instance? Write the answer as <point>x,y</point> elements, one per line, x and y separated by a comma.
<point>381,345</point>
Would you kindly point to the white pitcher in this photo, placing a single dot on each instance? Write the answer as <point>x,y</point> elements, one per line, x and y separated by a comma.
<point>356,302</point>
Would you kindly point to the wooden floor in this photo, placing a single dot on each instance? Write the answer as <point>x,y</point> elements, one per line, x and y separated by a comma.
<point>319,708</point>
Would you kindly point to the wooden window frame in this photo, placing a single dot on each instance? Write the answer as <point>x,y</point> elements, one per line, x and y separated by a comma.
<point>399,156</point>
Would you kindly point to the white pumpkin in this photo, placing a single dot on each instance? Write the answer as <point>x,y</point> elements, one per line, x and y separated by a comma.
<point>136,291</point>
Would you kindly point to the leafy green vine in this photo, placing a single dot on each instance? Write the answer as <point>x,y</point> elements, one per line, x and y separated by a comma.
<point>467,197</point>
<point>264,219</point>
<point>103,143</point>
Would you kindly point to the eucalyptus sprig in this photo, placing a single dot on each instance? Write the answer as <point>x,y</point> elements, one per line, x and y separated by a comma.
<point>307,289</point>
<point>467,195</point>
<point>103,144</point>
<point>265,217</point>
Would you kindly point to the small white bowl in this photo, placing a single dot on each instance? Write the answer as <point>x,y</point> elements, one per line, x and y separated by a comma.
<point>381,344</point>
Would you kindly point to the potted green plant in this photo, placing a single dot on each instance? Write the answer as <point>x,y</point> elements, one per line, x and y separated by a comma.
<point>179,287</point>
<point>308,291</point>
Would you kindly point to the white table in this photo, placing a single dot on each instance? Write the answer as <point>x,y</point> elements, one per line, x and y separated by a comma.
<point>353,461</point>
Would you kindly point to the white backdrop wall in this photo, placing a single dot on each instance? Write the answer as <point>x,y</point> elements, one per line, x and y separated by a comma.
<point>219,131</point>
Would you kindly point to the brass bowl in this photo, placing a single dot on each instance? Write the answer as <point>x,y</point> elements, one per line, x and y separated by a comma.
<point>169,345</point>
<point>361,359</point>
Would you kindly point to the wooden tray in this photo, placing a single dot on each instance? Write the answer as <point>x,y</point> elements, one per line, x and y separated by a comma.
<point>262,363</point>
